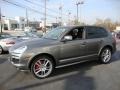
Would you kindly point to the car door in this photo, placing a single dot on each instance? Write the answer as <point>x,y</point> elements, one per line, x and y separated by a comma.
<point>93,41</point>
<point>71,51</point>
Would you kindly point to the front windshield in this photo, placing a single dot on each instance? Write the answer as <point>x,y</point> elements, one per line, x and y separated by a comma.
<point>55,33</point>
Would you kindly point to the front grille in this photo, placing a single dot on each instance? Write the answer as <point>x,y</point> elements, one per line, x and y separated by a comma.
<point>16,61</point>
<point>14,57</point>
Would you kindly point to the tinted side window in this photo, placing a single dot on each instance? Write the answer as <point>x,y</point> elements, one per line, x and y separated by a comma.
<point>94,32</point>
<point>76,33</point>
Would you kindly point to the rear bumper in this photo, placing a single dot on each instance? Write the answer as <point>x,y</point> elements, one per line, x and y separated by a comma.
<point>6,48</point>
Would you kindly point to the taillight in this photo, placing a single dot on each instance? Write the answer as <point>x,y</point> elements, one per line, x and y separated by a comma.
<point>11,42</point>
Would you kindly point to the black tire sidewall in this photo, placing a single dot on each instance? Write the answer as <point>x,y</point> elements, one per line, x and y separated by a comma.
<point>32,66</point>
<point>1,51</point>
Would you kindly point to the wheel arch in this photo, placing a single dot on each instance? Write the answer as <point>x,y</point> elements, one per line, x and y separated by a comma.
<point>107,46</point>
<point>42,54</point>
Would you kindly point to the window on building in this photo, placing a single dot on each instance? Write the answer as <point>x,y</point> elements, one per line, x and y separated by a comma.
<point>14,26</point>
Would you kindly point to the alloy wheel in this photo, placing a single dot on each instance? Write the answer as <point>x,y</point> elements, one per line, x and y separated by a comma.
<point>106,55</point>
<point>42,67</point>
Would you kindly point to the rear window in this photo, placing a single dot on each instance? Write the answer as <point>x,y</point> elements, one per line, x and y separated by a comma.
<point>95,32</point>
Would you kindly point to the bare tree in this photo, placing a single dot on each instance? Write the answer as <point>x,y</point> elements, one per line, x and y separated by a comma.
<point>107,23</point>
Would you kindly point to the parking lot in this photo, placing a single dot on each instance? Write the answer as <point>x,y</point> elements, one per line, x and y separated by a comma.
<point>84,76</point>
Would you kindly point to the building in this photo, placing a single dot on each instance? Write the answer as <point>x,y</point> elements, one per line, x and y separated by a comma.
<point>19,23</point>
<point>35,24</point>
<point>49,25</point>
<point>117,29</point>
<point>9,24</point>
<point>12,24</point>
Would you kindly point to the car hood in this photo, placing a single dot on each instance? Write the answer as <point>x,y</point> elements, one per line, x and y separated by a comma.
<point>34,43</point>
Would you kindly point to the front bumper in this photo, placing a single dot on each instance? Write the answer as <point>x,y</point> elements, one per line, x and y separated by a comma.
<point>20,63</point>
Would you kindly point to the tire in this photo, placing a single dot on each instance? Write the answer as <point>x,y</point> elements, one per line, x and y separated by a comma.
<point>105,55</point>
<point>42,67</point>
<point>1,50</point>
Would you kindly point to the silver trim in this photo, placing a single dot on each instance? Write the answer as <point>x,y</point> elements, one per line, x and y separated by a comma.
<point>70,64</point>
<point>17,65</point>
<point>63,60</point>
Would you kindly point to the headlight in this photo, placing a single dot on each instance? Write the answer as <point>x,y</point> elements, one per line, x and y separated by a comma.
<point>20,51</point>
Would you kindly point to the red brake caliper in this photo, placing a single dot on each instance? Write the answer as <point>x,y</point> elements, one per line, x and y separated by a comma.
<point>37,66</point>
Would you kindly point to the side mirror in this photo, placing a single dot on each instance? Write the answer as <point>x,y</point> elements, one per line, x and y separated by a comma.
<point>67,38</point>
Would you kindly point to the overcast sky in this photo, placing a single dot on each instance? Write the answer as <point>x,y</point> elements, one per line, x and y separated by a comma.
<point>88,12</point>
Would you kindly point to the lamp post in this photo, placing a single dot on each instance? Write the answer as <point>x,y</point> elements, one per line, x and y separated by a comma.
<point>77,4</point>
<point>60,9</point>
<point>45,15</point>
<point>1,25</point>
<point>0,21</point>
<point>69,13</point>
<point>27,22</point>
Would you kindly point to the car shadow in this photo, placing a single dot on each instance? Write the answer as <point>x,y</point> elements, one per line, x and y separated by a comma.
<point>74,76</point>
<point>80,81</point>
<point>2,83</point>
<point>5,52</point>
<point>77,67</point>
<point>74,73</point>
<point>2,59</point>
<point>115,56</point>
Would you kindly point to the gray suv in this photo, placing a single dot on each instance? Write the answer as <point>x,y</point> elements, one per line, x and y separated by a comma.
<point>61,47</point>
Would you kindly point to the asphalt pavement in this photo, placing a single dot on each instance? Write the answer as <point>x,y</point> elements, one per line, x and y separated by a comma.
<point>83,76</point>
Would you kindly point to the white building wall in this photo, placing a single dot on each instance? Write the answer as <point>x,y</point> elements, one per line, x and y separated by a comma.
<point>21,21</point>
<point>9,23</point>
<point>118,28</point>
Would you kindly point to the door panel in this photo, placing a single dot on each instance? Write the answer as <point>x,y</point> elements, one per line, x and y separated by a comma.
<point>93,39</point>
<point>72,49</point>
<point>92,46</point>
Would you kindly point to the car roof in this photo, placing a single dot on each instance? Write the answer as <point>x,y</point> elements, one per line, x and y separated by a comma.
<point>76,26</point>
